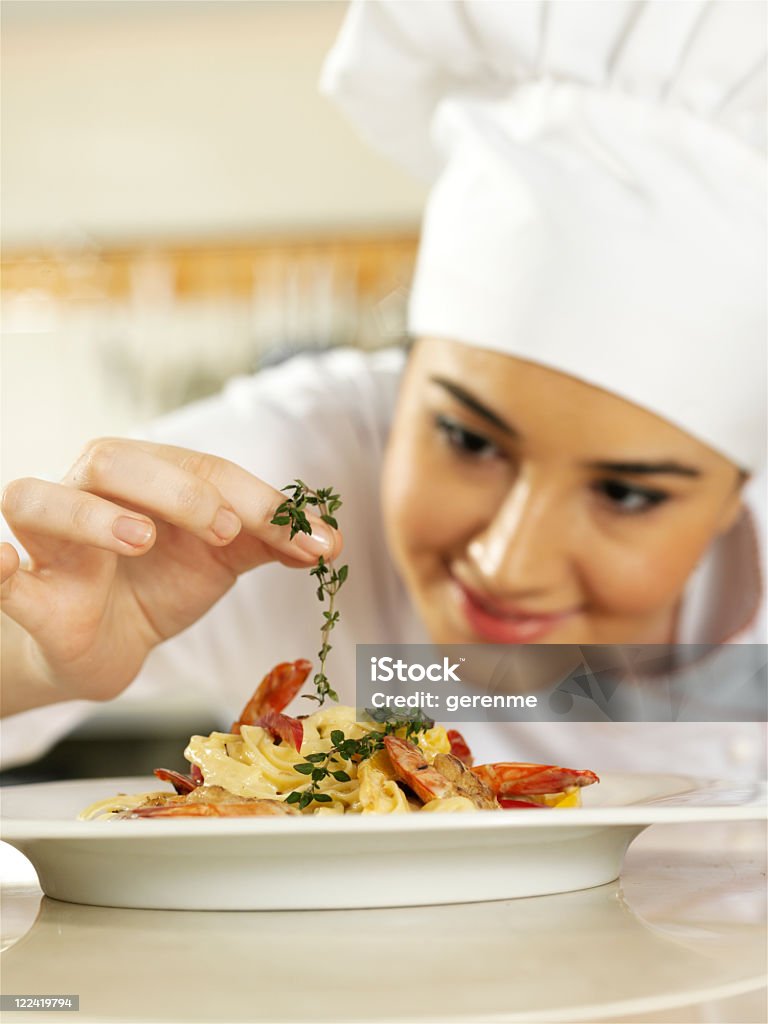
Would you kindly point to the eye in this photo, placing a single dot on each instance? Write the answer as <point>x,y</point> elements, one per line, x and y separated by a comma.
<point>465,442</point>
<point>627,498</point>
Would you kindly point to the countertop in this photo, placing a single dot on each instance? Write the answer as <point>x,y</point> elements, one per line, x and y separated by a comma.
<point>680,937</point>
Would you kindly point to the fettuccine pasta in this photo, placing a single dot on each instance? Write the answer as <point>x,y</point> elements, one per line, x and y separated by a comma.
<point>252,764</point>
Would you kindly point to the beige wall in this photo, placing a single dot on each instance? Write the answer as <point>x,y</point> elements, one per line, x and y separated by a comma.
<point>125,120</point>
<point>147,122</point>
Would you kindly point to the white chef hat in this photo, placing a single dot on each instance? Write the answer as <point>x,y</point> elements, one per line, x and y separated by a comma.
<point>599,187</point>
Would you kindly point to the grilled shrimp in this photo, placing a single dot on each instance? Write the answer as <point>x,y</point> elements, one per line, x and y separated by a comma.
<point>446,776</point>
<point>459,747</point>
<point>181,783</point>
<point>276,691</point>
<point>209,802</point>
<point>465,781</point>
<point>511,779</point>
<point>410,766</point>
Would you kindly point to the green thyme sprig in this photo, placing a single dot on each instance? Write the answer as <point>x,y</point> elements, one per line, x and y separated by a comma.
<point>329,579</point>
<point>321,765</point>
<point>412,722</point>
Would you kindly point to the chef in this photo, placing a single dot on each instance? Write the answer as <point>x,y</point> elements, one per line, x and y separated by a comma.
<point>569,454</point>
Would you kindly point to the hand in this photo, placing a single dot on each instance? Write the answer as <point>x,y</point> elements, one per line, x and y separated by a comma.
<point>135,544</point>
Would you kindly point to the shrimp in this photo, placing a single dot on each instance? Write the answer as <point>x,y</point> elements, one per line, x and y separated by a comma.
<point>508,780</point>
<point>276,691</point>
<point>500,785</point>
<point>181,783</point>
<point>252,809</point>
<point>460,747</point>
<point>465,782</point>
<point>446,776</point>
<point>208,802</point>
<point>410,766</point>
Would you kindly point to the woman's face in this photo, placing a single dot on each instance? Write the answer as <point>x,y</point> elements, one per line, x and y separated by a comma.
<point>524,506</point>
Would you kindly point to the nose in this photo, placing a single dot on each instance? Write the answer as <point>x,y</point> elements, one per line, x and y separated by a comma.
<point>525,550</point>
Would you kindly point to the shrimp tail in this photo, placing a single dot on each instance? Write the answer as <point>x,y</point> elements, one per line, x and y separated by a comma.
<point>275,692</point>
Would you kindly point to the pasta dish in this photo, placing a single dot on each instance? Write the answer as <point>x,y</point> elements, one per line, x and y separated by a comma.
<point>328,762</point>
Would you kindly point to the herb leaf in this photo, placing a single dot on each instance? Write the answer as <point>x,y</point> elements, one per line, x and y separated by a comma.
<point>346,748</point>
<point>290,513</point>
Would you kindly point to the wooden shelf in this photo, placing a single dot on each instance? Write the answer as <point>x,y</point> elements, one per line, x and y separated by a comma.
<point>372,264</point>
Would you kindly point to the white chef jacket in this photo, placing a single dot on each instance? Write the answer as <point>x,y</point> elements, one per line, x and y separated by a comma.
<point>325,418</point>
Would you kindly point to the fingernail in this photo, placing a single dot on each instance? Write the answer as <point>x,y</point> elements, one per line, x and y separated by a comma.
<point>132,531</point>
<point>226,525</point>
<point>316,543</point>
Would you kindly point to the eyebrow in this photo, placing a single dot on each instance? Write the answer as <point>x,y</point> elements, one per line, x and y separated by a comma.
<point>668,466</point>
<point>645,468</point>
<point>475,405</point>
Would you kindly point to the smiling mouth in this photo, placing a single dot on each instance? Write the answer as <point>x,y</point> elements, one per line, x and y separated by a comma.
<point>497,623</point>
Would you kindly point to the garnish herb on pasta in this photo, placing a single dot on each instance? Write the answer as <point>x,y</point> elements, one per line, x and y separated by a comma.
<point>319,766</point>
<point>329,580</point>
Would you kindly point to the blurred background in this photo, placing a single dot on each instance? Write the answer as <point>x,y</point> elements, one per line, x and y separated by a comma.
<point>179,205</point>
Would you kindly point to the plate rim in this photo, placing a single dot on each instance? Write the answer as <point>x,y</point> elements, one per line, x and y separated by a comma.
<point>15,829</point>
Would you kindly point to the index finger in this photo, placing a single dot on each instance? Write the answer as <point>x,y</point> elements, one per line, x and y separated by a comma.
<point>254,501</point>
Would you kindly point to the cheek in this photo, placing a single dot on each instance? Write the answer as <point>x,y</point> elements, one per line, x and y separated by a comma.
<point>646,570</point>
<point>417,505</point>
<point>429,508</point>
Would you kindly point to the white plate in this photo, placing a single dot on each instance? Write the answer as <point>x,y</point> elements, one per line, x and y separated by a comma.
<point>336,862</point>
